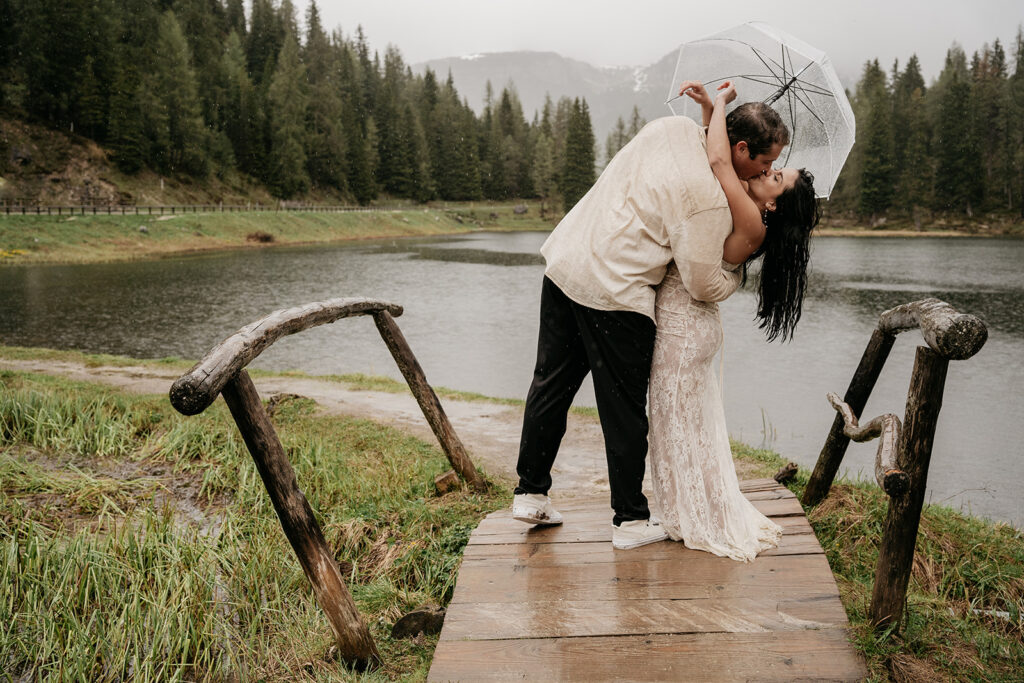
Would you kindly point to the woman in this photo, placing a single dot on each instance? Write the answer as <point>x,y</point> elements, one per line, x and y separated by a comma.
<point>695,484</point>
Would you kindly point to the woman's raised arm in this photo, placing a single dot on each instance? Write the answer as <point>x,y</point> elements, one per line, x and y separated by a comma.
<point>748,228</point>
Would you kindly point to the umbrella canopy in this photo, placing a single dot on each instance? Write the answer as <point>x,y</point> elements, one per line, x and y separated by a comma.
<point>797,80</point>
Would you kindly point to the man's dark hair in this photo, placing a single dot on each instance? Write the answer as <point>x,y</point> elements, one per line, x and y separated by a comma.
<point>758,124</point>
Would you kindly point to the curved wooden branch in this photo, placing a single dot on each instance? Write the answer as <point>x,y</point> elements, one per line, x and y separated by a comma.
<point>194,391</point>
<point>952,335</point>
<point>892,480</point>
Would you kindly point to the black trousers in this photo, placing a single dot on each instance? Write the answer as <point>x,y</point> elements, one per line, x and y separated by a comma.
<point>616,346</point>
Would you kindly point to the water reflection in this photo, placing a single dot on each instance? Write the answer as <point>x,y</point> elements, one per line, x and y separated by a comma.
<point>471,317</point>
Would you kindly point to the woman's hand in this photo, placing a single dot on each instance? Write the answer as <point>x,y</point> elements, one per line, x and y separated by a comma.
<point>726,92</point>
<point>696,91</point>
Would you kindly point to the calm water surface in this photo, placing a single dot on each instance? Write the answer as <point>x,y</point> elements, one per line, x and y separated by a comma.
<point>472,314</point>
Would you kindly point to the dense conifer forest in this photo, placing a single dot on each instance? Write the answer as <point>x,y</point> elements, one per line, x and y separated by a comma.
<point>201,87</point>
<point>197,88</point>
<point>955,146</point>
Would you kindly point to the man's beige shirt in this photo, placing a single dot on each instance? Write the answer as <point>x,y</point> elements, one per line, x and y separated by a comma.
<point>656,201</point>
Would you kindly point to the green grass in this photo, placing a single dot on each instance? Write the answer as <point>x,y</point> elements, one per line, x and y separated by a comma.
<point>967,571</point>
<point>138,543</point>
<point>222,580</point>
<point>84,239</point>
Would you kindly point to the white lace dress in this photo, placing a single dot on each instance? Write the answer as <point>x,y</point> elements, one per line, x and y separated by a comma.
<point>692,471</point>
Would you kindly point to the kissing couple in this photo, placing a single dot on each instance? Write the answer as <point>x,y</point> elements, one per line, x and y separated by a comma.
<point>633,276</point>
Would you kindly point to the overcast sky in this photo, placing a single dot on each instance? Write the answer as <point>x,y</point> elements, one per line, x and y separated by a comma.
<point>639,32</point>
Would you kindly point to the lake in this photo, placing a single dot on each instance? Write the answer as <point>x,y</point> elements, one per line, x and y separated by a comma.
<point>471,316</point>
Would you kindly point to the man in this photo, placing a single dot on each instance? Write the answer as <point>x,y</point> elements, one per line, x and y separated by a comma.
<point>657,201</point>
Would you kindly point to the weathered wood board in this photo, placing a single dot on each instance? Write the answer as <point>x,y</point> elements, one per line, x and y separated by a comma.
<point>560,604</point>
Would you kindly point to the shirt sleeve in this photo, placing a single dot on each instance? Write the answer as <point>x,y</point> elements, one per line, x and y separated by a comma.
<point>697,249</point>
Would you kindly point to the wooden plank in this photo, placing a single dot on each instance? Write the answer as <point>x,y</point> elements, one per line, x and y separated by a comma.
<point>576,618</point>
<point>547,554</point>
<point>702,576</point>
<point>772,656</point>
<point>559,603</point>
<point>511,531</point>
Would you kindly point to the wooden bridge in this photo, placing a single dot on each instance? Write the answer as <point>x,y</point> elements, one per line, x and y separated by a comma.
<point>560,604</point>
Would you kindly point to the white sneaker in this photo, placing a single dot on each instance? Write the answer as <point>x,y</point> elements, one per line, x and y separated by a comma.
<point>636,533</point>
<point>535,508</point>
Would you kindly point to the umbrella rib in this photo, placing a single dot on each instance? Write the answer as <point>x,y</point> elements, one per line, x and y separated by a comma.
<point>810,109</point>
<point>757,54</point>
<point>814,88</point>
<point>756,78</point>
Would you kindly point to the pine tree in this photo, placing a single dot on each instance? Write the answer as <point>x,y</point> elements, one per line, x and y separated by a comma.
<point>10,30</point>
<point>125,126</point>
<point>235,17</point>
<point>544,176</point>
<point>988,110</point>
<point>90,103</point>
<point>615,141</point>
<point>911,134</point>
<point>359,170</point>
<point>180,139</point>
<point>907,89</point>
<point>243,116</point>
<point>578,173</point>
<point>1015,127</point>
<point>202,22</point>
<point>877,176</point>
<point>263,41</point>
<point>468,183</point>
<point>396,163</point>
<point>957,180</point>
<point>325,142</point>
<point>421,186</point>
<point>636,122</point>
<point>286,98</point>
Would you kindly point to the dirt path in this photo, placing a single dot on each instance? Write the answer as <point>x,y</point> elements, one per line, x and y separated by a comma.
<point>489,431</point>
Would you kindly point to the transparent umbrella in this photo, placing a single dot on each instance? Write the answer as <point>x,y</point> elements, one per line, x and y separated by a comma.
<point>797,80</point>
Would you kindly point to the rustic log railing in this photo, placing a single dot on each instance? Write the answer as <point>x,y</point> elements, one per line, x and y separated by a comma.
<point>904,452</point>
<point>222,371</point>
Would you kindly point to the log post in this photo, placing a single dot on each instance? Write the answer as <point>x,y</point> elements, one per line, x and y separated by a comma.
<point>856,397</point>
<point>896,554</point>
<point>425,396</point>
<point>355,644</point>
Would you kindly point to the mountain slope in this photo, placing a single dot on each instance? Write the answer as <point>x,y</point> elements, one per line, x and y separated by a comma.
<point>610,91</point>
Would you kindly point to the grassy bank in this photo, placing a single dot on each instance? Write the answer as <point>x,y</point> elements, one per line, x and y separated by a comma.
<point>140,543</point>
<point>86,239</point>
<point>963,617</point>
<point>1003,224</point>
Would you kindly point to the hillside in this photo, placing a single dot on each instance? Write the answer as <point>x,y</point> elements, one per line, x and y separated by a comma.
<point>42,166</point>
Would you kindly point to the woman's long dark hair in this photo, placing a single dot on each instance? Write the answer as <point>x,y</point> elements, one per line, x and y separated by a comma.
<point>786,248</point>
